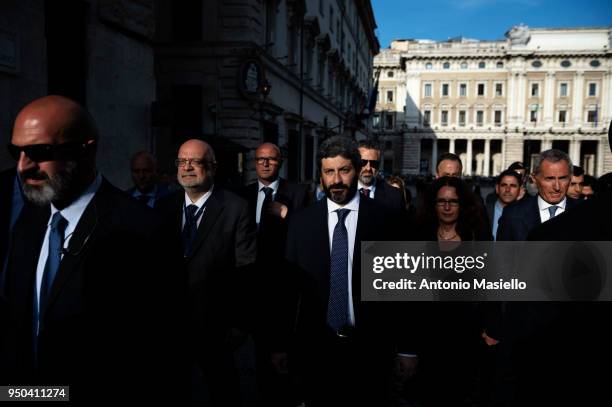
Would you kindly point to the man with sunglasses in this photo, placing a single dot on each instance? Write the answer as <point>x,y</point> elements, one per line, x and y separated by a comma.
<point>217,233</point>
<point>371,186</point>
<point>85,272</point>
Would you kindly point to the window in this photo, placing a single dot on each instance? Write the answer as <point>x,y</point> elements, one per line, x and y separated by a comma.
<point>537,63</point>
<point>376,121</point>
<point>463,89</point>
<point>444,118</point>
<point>461,118</point>
<point>481,89</point>
<point>426,117</point>
<point>428,65</point>
<point>479,117</point>
<point>482,65</point>
<point>446,65</point>
<point>499,89</point>
<point>389,121</point>
<point>389,96</point>
<point>563,89</point>
<point>533,116</point>
<point>428,90</point>
<point>565,63</point>
<point>498,118</point>
<point>500,65</point>
<point>389,74</point>
<point>464,65</point>
<point>592,89</point>
<point>592,116</point>
<point>445,89</point>
<point>535,90</point>
<point>594,63</point>
<point>562,116</point>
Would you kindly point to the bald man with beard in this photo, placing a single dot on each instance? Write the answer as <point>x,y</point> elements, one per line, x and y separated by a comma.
<point>92,303</point>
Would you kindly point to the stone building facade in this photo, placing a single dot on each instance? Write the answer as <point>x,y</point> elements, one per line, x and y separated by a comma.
<point>97,52</point>
<point>243,72</point>
<point>496,102</point>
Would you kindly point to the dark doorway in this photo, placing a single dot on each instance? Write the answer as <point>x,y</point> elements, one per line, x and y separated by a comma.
<point>66,34</point>
<point>295,155</point>
<point>186,113</point>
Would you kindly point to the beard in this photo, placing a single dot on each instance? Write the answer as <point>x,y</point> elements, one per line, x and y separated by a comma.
<point>57,187</point>
<point>343,194</point>
<point>366,178</point>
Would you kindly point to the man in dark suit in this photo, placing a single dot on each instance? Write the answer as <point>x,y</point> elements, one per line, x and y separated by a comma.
<point>217,232</point>
<point>507,189</point>
<point>371,186</point>
<point>146,189</point>
<point>86,272</point>
<point>344,349</point>
<point>272,201</point>
<point>551,174</point>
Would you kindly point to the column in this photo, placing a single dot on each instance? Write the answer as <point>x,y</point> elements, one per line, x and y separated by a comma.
<point>467,166</point>
<point>546,144</point>
<point>549,97</point>
<point>451,145</point>
<point>521,100</point>
<point>434,155</point>
<point>600,157</point>
<point>487,158</point>
<point>574,151</point>
<point>577,105</point>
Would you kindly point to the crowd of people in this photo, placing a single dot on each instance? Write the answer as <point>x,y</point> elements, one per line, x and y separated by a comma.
<point>145,295</point>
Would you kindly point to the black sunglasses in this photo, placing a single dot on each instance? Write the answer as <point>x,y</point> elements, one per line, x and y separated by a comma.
<point>49,152</point>
<point>373,163</point>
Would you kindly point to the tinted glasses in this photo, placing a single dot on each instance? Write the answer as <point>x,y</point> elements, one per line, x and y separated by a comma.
<point>373,163</point>
<point>48,152</point>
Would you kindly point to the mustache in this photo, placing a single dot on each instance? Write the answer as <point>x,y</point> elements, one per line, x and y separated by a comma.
<point>338,186</point>
<point>34,174</point>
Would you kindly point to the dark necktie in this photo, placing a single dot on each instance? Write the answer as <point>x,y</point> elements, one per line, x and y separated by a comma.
<point>56,245</point>
<point>337,307</point>
<point>191,227</point>
<point>266,203</point>
<point>365,192</point>
<point>552,210</point>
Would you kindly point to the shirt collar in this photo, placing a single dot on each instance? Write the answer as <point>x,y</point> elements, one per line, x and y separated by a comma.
<point>200,202</point>
<point>273,185</point>
<point>151,193</point>
<point>498,205</point>
<point>352,205</point>
<point>73,212</point>
<point>543,205</point>
<point>372,187</point>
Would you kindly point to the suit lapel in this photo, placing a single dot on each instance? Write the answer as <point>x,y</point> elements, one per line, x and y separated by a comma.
<point>90,227</point>
<point>214,208</point>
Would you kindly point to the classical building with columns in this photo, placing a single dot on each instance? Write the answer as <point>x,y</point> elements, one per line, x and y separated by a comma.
<point>496,102</point>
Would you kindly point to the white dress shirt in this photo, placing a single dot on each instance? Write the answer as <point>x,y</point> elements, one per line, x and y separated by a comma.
<point>372,188</point>
<point>72,213</point>
<point>199,203</point>
<point>261,196</point>
<point>351,227</point>
<point>543,206</point>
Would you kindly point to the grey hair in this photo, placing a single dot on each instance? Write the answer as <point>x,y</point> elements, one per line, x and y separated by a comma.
<point>553,156</point>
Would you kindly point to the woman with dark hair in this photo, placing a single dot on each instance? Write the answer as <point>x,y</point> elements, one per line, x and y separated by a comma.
<point>451,212</point>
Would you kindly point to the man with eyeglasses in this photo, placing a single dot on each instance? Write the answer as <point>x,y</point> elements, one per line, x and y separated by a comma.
<point>86,271</point>
<point>370,185</point>
<point>272,200</point>
<point>216,232</point>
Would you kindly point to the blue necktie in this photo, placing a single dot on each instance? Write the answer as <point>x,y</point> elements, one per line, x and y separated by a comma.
<point>338,305</point>
<point>56,245</point>
<point>191,227</point>
<point>552,210</point>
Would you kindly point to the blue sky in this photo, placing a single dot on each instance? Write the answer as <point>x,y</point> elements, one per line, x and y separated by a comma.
<point>481,19</point>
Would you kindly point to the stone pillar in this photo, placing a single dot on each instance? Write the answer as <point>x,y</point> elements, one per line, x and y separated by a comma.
<point>578,99</point>
<point>546,144</point>
<point>451,145</point>
<point>487,158</point>
<point>574,151</point>
<point>600,157</point>
<point>549,98</point>
<point>434,155</point>
<point>467,166</point>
